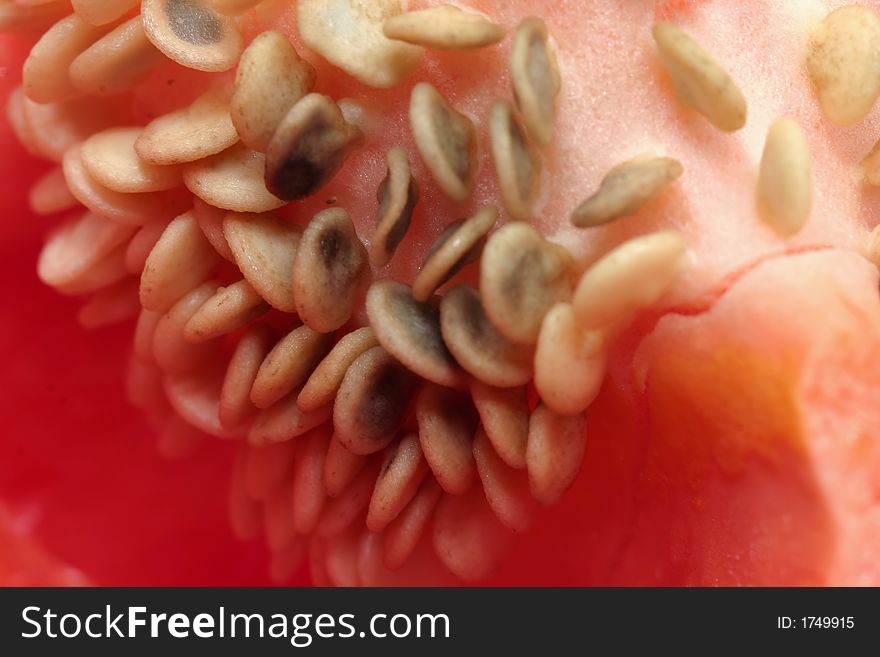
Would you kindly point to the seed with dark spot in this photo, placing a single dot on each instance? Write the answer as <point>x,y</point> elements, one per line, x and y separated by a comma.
<point>398,194</point>
<point>446,140</point>
<point>447,422</point>
<point>459,244</point>
<point>477,345</point>
<point>194,23</point>
<point>372,401</point>
<point>521,276</point>
<point>535,77</point>
<point>410,331</point>
<point>517,163</point>
<point>308,147</point>
<point>330,271</point>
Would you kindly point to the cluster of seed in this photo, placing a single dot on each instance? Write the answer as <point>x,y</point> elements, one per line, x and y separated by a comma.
<point>369,436</point>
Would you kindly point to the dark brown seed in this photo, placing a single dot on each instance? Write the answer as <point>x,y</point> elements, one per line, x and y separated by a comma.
<point>456,246</point>
<point>535,77</point>
<point>401,475</point>
<point>446,140</point>
<point>477,346</point>
<point>372,401</point>
<point>330,271</point>
<point>626,188</point>
<point>522,275</point>
<point>289,364</point>
<point>398,194</point>
<point>410,331</point>
<point>308,147</point>
<point>447,421</point>
<point>517,162</point>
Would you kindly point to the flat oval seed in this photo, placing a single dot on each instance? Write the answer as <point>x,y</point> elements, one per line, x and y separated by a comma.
<point>447,422</point>
<point>843,59</point>
<point>50,194</point>
<point>410,331</point>
<point>264,247</point>
<point>398,194</point>
<point>564,347</point>
<point>116,62</point>
<point>77,246</point>
<point>635,275</point>
<point>131,209</point>
<point>54,128</point>
<point>308,480</point>
<point>446,140</point>
<point>468,538</point>
<point>504,415</point>
<point>330,272</point>
<point>232,180</point>
<point>308,147</point>
<point>173,354</point>
<point>195,397</point>
<point>231,308</point>
<point>45,71</point>
<point>348,33</point>
<point>324,382</point>
<point>535,77</point>
<point>101,12</point>
<point>555,452</point>
<point>521,276</point>
<point>698,79</point>
<point>181,260</point>
<point>211,223</point>
<point>271,77</point>
<point>105,272</point>
<point>141,245</point>
<point>372,401</point>
<point>340,467</point>
<point>345,509</point>
<point>398,481</point>
<point>110,158</point>
<point>784,190</point>
<point>626,188</point>
<point>477,346</point>
<point>200,130</point>
<point>232,7</point>
<point>456,246</point>
<point>285,421</point>
<point>444,27</point>
<point>517,163</point>
<point>31,19</point>
<point>401,537</point>
<point>235,396</point>
<point>266,468</point>
<point>192,34</point>
<point>289,364</point>
<point>143,335</point>
<point>506,489</point>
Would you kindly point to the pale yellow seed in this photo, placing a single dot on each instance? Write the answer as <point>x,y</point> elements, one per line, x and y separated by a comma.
<point>843,59</point>
<point>784,192</point>
<point>110,158</point>
<point>444,27</point>
<point>564,347</point>
<point>348,33</point>
<point>633,276</point>
<point>699,80</point>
